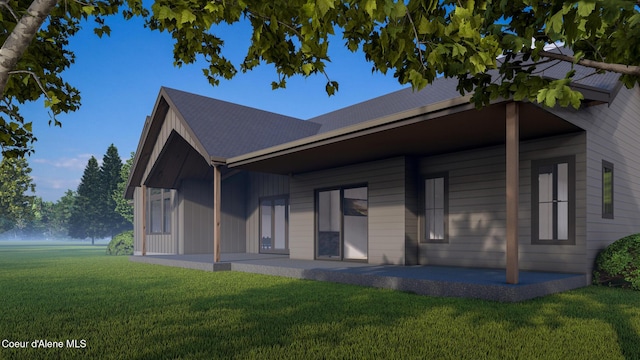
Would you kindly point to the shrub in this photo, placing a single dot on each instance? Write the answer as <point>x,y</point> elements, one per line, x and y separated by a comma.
<point>619,264</point>
<point>121,244</point>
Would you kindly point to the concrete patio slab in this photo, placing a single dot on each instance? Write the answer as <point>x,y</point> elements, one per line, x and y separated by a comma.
<point>487,284</point>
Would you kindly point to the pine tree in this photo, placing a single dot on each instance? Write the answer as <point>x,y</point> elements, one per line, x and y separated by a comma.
<point>112,222</point>
<point>86,217</point>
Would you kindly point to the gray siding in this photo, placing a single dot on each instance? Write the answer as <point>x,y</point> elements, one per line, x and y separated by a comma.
<point>613,134</point>
<point>260,185</point>
<point>156,243</point>
<point>386,222</point>
<point>477,216</point>
<point>412,196</point>
<point>196,213</point>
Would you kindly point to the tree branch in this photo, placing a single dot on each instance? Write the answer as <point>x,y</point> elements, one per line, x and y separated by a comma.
<point>618,68</point>
<point>21,36</point>
<point>5,4</point>
<point>415,32</point>
<point>35,77</point>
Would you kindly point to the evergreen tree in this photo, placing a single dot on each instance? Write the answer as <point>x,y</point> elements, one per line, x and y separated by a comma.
<point>123,206</point>
<point>86,217</point>
<point>16,207</point>
<point>112,222</point>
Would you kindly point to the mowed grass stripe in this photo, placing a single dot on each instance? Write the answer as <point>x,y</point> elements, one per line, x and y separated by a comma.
<point>138,311</point>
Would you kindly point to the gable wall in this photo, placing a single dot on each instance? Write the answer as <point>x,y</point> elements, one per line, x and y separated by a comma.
<point>171,122</point>
<point>613,134</point>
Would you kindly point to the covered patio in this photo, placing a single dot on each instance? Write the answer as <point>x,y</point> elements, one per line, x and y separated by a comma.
<point>486,284</point>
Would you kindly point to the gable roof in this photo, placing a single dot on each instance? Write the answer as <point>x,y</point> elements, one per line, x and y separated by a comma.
<point>226,129</point>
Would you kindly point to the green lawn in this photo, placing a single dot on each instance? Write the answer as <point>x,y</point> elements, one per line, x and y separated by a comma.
<point>126,310</point>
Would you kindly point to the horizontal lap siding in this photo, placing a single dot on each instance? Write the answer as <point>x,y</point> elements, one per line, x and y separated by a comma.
<point>477,216</point>
<point>613,135</point>
<point>386,221</point>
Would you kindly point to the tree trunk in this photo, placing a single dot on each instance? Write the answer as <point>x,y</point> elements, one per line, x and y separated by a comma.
<point>21,36</point>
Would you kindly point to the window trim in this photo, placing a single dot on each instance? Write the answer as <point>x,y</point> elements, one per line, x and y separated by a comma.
<point>273,199</point>
<point>535,220</point>
<point>608,213</point>
<point>423,219</point>
<point>165,194</point>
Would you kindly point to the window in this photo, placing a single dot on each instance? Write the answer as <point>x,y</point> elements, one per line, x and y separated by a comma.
<point>274,217</point>
<point>436,204</point>
<point>158,211</point>
<point>607,190</point>
<point>553,201</point>
<point>342,223</point>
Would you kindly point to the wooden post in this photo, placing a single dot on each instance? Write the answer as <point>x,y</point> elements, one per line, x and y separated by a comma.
<point>513,189</point>
<point>217,187</point>
<point>144,220</point>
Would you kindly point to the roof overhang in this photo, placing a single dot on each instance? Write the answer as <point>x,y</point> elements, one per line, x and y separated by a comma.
<point>178,160</point>
<point>444,127</point>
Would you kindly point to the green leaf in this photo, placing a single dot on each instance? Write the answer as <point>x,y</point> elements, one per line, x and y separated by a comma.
<point>370,6</point>
<point>88,9</point>
<point>585,8</point>
<point>187,16</point>
<point>324,6</point>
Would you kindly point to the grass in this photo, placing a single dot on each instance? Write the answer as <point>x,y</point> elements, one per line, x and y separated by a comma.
<point>139,311</point>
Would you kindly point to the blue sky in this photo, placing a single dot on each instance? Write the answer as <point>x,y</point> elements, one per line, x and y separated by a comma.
<point>119,78</point>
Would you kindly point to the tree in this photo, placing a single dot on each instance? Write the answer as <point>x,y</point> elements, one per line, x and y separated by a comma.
<point>417,40</point>
<point>85,221</point>
<point>62,212</point>
<point>123,206</point>
<point>15,203</point>
<point>110,176</point>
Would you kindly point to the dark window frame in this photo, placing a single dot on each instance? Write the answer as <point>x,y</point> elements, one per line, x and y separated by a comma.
<point>608,209</point>
<point>341,189</point>
<point>423,220</point>
<point>165,219</point>
<point>571,195</point>
<point>273,200</point>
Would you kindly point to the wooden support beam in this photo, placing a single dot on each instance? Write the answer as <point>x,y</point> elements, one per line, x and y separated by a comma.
<point>217,187</point>
<point>513,189</point>
<point>144,220</point>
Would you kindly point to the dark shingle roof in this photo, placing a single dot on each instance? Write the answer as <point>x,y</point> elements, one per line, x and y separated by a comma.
<point>406,99</point>
<point>226,129</point>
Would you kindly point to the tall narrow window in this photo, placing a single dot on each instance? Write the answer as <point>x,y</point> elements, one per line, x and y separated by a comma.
<point>159,211</point>
<point>435,209</point>
<point>553,183</point>
<point>607,190</point>
<point>274,217</point>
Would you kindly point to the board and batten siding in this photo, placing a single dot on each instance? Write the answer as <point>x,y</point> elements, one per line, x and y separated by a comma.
<point>477,208</point>
<point>156,244</point>
<point>386,208</point>
<point>160,243</point>
<point>613,135</point>
<point>260,185</point>
<point>196,216</point>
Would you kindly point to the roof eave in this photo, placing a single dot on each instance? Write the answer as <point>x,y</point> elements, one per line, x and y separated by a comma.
<point>438,109</point>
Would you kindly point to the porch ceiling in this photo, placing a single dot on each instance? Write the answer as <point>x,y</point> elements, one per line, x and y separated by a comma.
<point>177,161</point>
<point>422,135</point>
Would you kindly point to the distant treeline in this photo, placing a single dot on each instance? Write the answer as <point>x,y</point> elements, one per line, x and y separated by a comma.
<point>97,209</point>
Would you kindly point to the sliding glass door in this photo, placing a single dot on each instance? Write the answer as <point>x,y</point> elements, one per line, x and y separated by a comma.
<point>342,219</point>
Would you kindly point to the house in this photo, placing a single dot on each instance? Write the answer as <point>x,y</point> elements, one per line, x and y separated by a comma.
<point>409,178</point>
